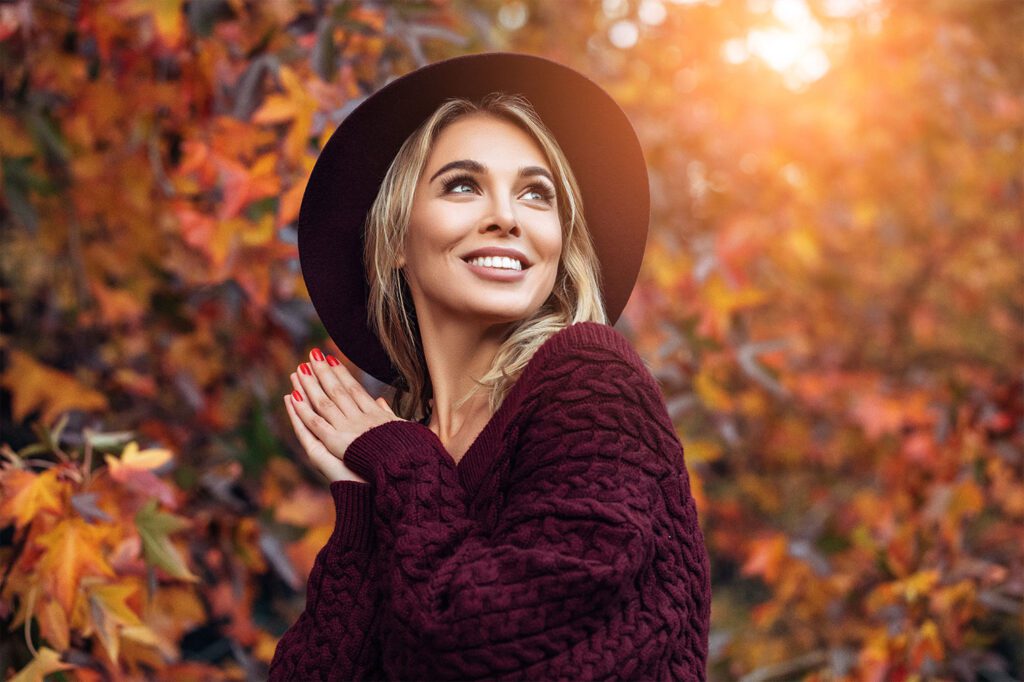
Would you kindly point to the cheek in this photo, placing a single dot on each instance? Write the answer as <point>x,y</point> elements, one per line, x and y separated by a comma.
<point>437,228</point>
<point>552,245</point>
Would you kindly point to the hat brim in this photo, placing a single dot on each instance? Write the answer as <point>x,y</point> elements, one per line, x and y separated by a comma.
<point>594,133</point>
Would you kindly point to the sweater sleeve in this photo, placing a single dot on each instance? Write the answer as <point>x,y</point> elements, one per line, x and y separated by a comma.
<point>333,637</point>
<point>574,531</point>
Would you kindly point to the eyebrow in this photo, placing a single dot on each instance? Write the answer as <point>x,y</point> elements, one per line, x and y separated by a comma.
<point>477,167</point>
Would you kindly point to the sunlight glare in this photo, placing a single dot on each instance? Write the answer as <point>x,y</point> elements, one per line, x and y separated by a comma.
<point>794,49</point>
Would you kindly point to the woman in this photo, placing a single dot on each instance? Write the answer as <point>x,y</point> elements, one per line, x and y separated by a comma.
<point>523,511</point>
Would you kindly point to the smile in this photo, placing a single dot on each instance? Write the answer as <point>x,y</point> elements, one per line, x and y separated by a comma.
<point>496,269</point>
<point>501,262</point>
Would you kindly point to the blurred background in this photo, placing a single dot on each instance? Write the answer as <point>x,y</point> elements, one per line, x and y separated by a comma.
<point>831,300</point>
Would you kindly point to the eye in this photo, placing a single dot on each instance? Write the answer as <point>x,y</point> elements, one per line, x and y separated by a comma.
<point>545,192</point>
<point>451,183</point>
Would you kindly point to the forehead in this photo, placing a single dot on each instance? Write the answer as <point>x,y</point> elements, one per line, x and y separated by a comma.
<point>489,139</point>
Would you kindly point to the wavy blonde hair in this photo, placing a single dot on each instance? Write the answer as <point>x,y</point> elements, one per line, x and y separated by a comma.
<point>575,297</point>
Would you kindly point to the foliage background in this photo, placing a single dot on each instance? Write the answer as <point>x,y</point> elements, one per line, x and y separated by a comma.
<point>831,299</point>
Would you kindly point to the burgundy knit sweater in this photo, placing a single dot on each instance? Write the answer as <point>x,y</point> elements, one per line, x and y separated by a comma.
<point>564,545</point>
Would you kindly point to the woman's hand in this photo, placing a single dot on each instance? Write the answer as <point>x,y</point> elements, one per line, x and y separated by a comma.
<point>332,410</point>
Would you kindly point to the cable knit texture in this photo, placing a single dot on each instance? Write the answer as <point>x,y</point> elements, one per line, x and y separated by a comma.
<point>564,545</point>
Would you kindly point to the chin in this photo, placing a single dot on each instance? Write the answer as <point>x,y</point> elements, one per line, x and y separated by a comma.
<point>503,315</point>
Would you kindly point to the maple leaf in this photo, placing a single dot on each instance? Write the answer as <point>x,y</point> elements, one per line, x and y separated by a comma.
<point>116,305</point>
<point>53,624</point>
<point>27,494</point>
<point>289,203</point>
<point>167,17</point>
<point>297,106</point>
<point>135,470</point>
<point>73,549</point>
<point>766,556</point>
<point>241,185</point>
<point>172,611</point>
<point>109,610</point>
<point>46,661</point>
<point>34,385</point>
<point>305,507</point>
<point>155,528</point>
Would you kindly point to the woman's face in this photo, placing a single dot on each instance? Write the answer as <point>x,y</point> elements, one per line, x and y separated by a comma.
<point>486,184</point>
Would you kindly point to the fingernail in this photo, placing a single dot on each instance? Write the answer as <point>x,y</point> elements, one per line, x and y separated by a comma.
<point>332,361</point>
<point>305,369</point>
<point>297,396</point>
<point>317,355</point>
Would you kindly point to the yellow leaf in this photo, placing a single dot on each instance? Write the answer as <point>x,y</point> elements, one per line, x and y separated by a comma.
<point>276,109</point>
<point>702,451</point>
<point>46,662</point>
<point>109,611</point>
<point>141,634</point>
<point>711,394</point>
<point>260,233</point>
<point>150,458</point>
<point>167,18</point>
<point>967,500</point>
<point>919,584</point>
<point>803,243</point>
<point>726,299</point>
<point>266,646</point>
<point>112,598</point>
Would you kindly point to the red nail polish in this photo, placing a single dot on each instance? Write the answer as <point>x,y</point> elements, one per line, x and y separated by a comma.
<point>317,355</point>
<point>305,369</point>
<point>332,361</point>
<point>297,396</point>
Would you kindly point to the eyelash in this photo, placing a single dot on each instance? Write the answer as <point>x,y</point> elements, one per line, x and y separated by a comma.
<point>450,183</point>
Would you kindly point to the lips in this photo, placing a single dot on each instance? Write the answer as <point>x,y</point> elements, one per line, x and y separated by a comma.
<point>497,274</point>
<point>498,251</point>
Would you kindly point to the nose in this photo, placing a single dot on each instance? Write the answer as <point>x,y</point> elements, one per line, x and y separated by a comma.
<point>502,215</point>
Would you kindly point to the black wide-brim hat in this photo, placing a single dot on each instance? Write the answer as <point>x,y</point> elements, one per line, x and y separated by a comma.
<point>594,133</point>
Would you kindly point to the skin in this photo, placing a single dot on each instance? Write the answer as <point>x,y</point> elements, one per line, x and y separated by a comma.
<point>462,316</point>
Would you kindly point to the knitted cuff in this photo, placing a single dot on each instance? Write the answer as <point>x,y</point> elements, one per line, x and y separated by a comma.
<point>353,507</point>
<point>391,441</point>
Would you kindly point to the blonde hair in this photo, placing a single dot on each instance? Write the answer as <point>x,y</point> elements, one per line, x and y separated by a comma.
<point>576,295</point>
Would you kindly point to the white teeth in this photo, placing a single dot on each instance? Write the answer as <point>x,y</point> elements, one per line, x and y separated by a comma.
<point>500,262</point>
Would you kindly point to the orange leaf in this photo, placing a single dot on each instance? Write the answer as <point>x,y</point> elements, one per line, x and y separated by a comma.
<point>173,611</point>
<point>297,106</point>
<point>116,305</point>
<point>73,549</point>
<point>766,555</point>
<point>276,109</point>
<point>26,494</point>
<point>34,385</point>
<point>53,624</point>
<point>305,507</point>
<point>288,206</point>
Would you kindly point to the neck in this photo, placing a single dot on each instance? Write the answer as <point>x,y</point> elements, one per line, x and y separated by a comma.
<point>457,352</point>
